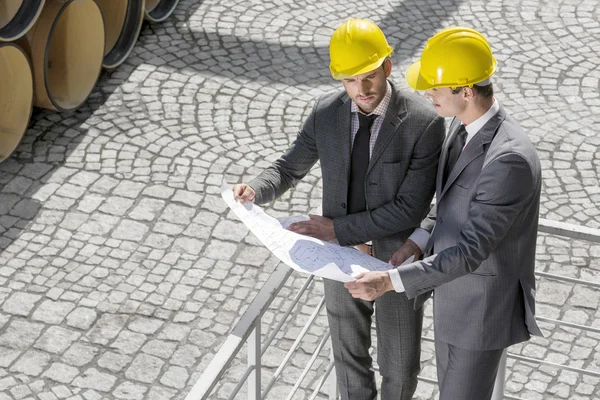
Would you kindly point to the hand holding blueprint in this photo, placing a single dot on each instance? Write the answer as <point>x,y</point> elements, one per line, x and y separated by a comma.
<point>302,253</point>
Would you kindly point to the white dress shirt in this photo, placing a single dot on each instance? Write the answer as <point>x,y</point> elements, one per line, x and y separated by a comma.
<point>421,236</point>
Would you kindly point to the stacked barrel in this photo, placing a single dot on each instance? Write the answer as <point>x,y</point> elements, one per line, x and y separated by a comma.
<point>52,53</point>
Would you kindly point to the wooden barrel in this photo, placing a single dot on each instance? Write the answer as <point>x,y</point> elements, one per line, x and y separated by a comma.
<point>16,97</point>
<point>17,17</point>
<point>66,47</point>
<point>159,10</point>
<point>122,23</point>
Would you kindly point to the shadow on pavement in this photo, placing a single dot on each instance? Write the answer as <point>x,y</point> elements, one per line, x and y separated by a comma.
<point>29,177</point>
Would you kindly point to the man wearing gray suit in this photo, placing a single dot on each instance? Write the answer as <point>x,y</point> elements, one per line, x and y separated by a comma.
<point>378,148</point>
<point>482,232</point>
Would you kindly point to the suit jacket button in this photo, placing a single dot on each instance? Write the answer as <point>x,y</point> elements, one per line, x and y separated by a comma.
<point>372,183</point>
<point>344,206</point>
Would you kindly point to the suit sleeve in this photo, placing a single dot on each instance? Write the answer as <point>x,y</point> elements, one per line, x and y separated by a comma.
<point>291,167</point>
<point>429,222</point>
<point>411,202</point>
<point>506,184</point>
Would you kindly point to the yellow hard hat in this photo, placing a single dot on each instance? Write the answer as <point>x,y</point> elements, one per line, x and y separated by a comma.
<point>356,47</point>
<point>453,57</point>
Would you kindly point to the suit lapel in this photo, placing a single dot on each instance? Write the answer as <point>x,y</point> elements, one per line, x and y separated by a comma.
<point>453,129</point>
<point>391,123</point>
<point>344,137</point>
<point>474,148</point>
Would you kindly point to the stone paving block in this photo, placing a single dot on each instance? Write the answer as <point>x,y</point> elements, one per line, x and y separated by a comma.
<point>99,224</point>
<point>92,395</point>
<point>202,338</point>
<point>93,379</point>
<point>79,354</point>
<point>19,392</point>
<point>129,391</point>
<point>144,368</point>
<point>7,356</point>
<point>35,170</point>
<point>177,214</point>
<point>128,189</point>
<point>106,328</point>
<point>17,185</point>
<point>7,382</point>
<point>175,377</point>
<point>185,356</point>
<point>144,325</point>
<point>130,230</point>
<point>116,206</point>
<point>230,230</point>
<point>114,361</point>
<point>188,246</point>
<point>147,209</point>
<point>61,391</point>
<point>90,203</point>
<point>159,191</point>
<point>20,303</point>
<point>56,340</point>
<point>161,393</point>
<point>128,342</point>
<point>47,396</point>
<point>31,363</point>
<point>52,312</point>
<point>20,335</point>
<point>25,209</point>
<point>218,250</point>
<point>159,348</point>
<point>60,372</point>
<point>189,198</point>
<point>175,332</point>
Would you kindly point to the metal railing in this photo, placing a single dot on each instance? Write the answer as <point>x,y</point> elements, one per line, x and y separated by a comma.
<point>248,331</point>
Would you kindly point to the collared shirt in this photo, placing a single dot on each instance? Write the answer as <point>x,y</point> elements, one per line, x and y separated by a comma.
<point>421,236</point>
<point>476,125</point>
<point>380,111</point>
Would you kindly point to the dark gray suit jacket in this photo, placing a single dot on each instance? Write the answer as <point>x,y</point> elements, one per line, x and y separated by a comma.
<point>484,230</point>
<point>400,179</point>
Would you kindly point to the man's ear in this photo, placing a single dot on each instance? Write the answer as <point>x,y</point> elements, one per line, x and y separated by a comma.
<point>468,93</point>
<point>387,67</point>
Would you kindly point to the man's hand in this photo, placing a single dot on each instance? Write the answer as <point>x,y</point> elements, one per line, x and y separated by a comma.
<point>370,285</point>
<point>318,227</point>
<point>408,249</point>
<point>243,193</point>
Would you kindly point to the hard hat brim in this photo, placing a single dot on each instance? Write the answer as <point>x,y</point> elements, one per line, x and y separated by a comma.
<point>414,78</point>
<point>358,71</point>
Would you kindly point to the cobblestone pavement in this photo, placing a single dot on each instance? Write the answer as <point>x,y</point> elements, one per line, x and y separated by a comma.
<point>121,270</point>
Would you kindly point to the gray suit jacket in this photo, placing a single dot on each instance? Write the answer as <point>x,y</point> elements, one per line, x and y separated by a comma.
<point>484,230</point>
<point>400,179</point>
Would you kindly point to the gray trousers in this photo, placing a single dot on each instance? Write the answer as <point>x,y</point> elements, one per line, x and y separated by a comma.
<point>466,374</point>
<point>398,327</point>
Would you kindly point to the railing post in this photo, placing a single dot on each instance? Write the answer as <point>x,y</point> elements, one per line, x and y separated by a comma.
<point>254,353</point>
<point>333,387</point>
<point>498,393</point>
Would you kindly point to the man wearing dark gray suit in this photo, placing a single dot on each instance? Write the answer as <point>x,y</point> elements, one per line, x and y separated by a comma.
<point>482,232</point>
<point>378,148</point>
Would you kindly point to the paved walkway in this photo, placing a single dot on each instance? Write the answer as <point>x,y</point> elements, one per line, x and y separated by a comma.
<point>121,271</point>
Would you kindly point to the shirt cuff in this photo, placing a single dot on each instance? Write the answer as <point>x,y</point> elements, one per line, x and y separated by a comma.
<point>420,237</point>
<point>396,280</point>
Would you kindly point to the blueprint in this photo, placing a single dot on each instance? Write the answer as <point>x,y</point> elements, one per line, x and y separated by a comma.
<point>302,253</point>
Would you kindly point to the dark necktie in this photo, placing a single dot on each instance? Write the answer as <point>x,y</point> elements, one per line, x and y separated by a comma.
<point>454,150</point>
<point>359,163</point>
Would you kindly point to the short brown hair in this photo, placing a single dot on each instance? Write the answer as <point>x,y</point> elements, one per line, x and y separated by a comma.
<point>483,91</point>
